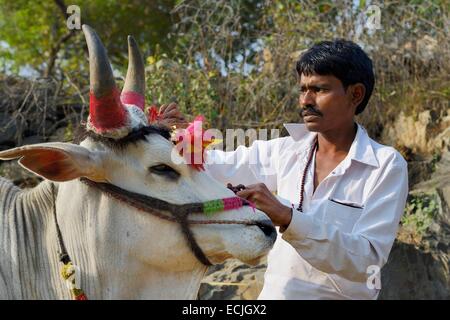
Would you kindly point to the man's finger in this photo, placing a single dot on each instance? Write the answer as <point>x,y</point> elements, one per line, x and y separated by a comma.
<point>246,193</point>
<point>170,107</point>
<point>162,109</point>
<point>174,122</point>
<point>182,124</point>
<point>173,105</point>
<point>256,187</point>
<point>168,121</point>
<point>172,114</point>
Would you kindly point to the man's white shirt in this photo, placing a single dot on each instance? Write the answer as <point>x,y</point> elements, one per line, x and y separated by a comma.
<point>347,227</point>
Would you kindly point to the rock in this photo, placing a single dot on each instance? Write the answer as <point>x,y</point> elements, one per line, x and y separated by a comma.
<point>410,133</point>
<point>413,273</point>
<point>425,134</point>
<point>233,280</point>
<point>427,48</point>
<point>418,267</point>
<point>444,193</point>
<point>439,181</point>
<point>418,171</point>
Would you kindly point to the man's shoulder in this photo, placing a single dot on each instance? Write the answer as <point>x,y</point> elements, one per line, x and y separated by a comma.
<point>274,142</point>
<point>274,146</point>
<point>387,155</point>
<point>289,144</point>
<point>299,137</point>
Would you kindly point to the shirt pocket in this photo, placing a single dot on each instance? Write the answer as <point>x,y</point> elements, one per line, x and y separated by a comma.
<point>343,214</point>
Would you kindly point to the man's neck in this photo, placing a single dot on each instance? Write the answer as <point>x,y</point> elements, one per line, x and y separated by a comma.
<point>337,141</point>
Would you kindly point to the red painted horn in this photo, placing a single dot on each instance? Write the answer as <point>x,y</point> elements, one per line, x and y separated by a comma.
<point>105,107</point>
<point>133,91</point>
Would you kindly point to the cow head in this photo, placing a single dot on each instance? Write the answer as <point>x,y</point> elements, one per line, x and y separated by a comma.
<point>120,148</point>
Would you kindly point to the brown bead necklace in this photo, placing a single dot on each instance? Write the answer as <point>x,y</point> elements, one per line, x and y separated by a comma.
<point>302,186</point>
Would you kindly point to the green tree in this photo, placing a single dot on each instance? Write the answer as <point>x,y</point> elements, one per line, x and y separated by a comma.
<point>35,33</point>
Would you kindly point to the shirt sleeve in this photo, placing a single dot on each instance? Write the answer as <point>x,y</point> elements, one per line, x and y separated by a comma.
<point>349,255</point>
<point>246,165</point>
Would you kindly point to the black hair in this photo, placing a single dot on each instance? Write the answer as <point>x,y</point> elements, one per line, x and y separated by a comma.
<point>132,138</point>
<point>343,59</point>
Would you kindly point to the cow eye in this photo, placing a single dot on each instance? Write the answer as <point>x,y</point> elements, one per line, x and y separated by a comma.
<point>164,170</point>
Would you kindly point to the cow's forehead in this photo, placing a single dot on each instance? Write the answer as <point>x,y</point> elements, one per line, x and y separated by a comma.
<point>93,145</point>
<point>154,148</point>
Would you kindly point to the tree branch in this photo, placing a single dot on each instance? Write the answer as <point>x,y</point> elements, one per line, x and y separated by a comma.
<point>55,49</point>
<point>62,6</point>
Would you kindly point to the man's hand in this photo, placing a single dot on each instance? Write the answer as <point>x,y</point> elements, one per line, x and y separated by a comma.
<point>170,115</point>
<point>268,203</point>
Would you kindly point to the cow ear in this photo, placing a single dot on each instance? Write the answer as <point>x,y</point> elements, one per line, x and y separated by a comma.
<point>58,161</point>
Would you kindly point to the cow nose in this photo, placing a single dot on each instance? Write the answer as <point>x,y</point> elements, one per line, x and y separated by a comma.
<point>267,228</point>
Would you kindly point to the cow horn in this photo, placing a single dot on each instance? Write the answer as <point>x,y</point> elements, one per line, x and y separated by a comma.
<point>106,111</point>
<point>133,91</point>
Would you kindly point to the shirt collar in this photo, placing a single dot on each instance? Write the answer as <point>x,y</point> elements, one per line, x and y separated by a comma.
<point>361,149</point>
<point>301,135</point>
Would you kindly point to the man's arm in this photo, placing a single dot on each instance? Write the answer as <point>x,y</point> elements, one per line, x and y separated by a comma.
<point>349,255</point>
<point>246,165</point>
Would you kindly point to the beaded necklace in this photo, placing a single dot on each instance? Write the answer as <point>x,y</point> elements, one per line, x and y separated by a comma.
<point>302,186</point>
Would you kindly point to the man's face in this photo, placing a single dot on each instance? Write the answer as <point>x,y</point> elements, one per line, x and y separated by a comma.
<point>325,104</point>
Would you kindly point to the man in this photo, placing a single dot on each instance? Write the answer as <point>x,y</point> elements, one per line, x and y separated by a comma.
<point>340,194</point>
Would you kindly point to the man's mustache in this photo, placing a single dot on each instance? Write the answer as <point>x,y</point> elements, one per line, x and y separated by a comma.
<point>310,110</point>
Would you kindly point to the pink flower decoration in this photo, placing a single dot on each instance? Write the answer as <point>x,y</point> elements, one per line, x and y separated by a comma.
<point>193,144</point>
<point>153,114</point>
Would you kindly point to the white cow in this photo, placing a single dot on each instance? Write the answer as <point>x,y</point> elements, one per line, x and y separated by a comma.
<point>121,252</point>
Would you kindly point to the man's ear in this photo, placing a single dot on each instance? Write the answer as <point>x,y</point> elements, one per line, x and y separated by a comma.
<point>358,91</point>
<point>58,161</point>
